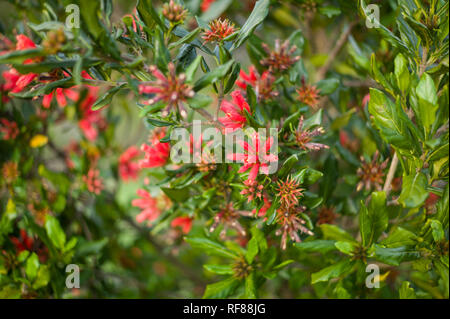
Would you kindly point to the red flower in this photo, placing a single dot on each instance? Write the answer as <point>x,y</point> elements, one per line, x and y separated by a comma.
<point>90,120</point>
<point>290,225</point>
<point>8,129</point>
<point>156,154</point>
<point>289,191</point>
<point>252,190</point>
<point>371,174</point>
<point>24,43</point>
<point>229,218</point>
<point>255,158</point>
<point>309,95</point>
<point>263,210</point>
<point>206,4</point>
<point>71,93</point>
<point>25,242</point>
<point>60,97</point>
<point>262,84</point>
<point>148,204</point>
<point>184,222</point>
<point>172,90</point>
<point>218,30</point>
<point>93,181</point>
<point>304,137</point>
<point>16,82</point>
<point>128,169</point>
<point>234,111</point>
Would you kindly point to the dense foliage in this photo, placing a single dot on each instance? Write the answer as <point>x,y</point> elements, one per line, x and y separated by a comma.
<point>359,108</point>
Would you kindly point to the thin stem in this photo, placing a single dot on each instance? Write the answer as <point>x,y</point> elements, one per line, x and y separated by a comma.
<point>390,176</point>
<point>337,48</point>
<point>423,63</point>
<point>219,101</point>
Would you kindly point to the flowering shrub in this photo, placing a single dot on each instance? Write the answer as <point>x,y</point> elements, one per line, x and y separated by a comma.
<point>224,149</point>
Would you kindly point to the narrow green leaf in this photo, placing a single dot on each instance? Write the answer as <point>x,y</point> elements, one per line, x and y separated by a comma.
<point>333,271</point>
<point>210,247</point>
<point>106,98</point>
<point>259,13</point>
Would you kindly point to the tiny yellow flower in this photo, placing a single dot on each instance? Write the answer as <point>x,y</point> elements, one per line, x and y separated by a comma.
<point>38,141</point>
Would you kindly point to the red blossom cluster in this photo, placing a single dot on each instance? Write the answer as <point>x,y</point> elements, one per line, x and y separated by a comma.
<point>157,153</point>
<point>128,169</point>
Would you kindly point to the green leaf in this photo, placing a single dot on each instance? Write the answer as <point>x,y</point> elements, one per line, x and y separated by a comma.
<point>428,101</point>
<point>44,89</point>
<point>401,72</point>
<point>291,120</point>
<point>414,191</point>
<point>378,76</point>
<point>23,256</point>
<point>211,77</point>
<point>283,264</point>
<point>210,247</point>
<point>252,250</point>
<point>385,32</point>
<point>199,101</point>
<point>186,39</point>
<point>175,194</point>
<point>442,269</point>
<point>374,219</point>
<point>221,289</point>
<point>32,267</point>
<point>219,269</point>
<point>43,277</point>
<point>437,230</point>
<point>406,292</point>
<point>327,86</point>
<point>158,122</point>
<point>10,292</point>
<point>106,98</point>
<point>250,290</point>
<point>395,256</point>
<point>52,63</point>
<point>313,246</point>
<point>399,237</point>
<point>391,120</point>
<point>258,234</point>
<point>333,271</point>
<point>259,13</point>
<point>308,176</point>
<point>443,207</point>
<point>346,247</point>
<point>16,57</point>
<point>235,71</point>
<point>55,232</point>
<point>336,233</point>
<point>287,166</point>
<point>148,14</point>
<point>192,68</point>
<point>90,14</point>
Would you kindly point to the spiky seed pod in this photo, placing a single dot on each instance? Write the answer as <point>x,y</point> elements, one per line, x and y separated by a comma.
<point>281,58</point>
